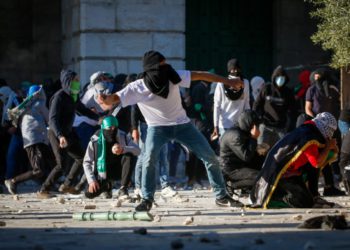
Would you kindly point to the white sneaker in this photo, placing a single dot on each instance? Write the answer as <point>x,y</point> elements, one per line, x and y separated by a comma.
<point>168,192</point>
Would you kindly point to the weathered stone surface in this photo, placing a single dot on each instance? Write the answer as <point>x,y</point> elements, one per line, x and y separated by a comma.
<point>97,16</point>
<point>170,44</point>
<point>150,15</point>
<point>115,44</point>
<point>88,67</point>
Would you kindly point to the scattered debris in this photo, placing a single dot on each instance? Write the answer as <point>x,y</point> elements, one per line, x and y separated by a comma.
<point>20,211</point>
<point>2,223</point>
<point>197,213</point>
<point>61,200</point>
<point>91,206</point>
<point>188,221</point>
<point>166,212</point>
<point>327,222</point>
<point>142,231</point>
<point>117,203</point>
<point>177,244</point>
<point>209,238</point>
<point>155,204</point>
<point>64,210</point>
<point>297,217</point>
<point>259,241</point>
<point>262,214</point>
<point>157,218</point>
<point>15,197</point>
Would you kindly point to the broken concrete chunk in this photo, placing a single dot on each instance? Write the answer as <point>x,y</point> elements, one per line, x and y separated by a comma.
<point>15,197</point>
<point>117,203</point>
<point>177,244</point>
<point>259,241</point>
<point>297,217</point>
<point>188,221</point>
<point>197,213</point>
<point>91,206</point>
<point>328,222</point>
<point>61,200</point>
<point>157,218</point>
<point>141,231</point>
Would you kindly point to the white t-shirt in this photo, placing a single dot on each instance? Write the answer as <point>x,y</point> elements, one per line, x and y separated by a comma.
<point>226,111</point>
<point>158,111</point>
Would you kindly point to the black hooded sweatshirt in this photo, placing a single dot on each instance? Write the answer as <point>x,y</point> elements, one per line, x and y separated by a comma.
<point>275,104</point>
<point>237,147</point>
<point>63,108</point>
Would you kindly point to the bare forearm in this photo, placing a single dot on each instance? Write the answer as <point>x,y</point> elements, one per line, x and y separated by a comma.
<point>209,77</point>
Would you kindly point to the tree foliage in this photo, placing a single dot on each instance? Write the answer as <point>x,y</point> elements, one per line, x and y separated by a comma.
<point>333,29</point>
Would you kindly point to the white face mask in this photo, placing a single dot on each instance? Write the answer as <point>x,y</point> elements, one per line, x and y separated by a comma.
<point>280,80</point>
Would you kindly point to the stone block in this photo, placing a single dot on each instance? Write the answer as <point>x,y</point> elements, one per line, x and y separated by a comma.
<point>115,44</point>
<point>121,66</point>
<point>177,64</point>
<point>135,66</point>
<point>170,44</point>
<point>88,67</point>
<point>93,16</point>
<point>150,17</point>
<point>75,21</point>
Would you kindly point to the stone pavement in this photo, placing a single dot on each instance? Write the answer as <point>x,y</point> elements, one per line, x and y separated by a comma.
<point>29,223</point>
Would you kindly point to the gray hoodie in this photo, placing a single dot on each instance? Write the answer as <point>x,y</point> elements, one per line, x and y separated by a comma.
<point>89,163</point>
<point>33,122</point>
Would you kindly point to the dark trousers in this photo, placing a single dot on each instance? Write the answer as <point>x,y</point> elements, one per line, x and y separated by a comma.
<point>293,192</point>
<point>41,161</point>
<point>105,186</point>
<point>242,177</point>
<point>74,150</point>
<point>123,166</point>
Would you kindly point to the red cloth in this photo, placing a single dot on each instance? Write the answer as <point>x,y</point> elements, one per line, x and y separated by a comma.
<point>304,79</point>
<point>310,155</point>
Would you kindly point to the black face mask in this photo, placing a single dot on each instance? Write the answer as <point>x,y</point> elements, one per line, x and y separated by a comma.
<point>110,135</point>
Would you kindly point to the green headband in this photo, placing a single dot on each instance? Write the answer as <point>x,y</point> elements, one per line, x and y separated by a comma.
<point>109,121</point>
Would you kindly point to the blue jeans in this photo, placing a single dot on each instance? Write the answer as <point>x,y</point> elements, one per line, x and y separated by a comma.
<point>343,127</point>
<point>16,157</point>
<point>162,164</point>
<point>189,136</point>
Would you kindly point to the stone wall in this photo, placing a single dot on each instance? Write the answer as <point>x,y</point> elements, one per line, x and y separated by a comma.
<point>112,35</point>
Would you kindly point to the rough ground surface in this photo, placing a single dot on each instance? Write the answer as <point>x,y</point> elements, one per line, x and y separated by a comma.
<point>29,223</point>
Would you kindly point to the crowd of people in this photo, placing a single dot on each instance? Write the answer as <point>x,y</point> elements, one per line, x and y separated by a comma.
<point>258,138</point>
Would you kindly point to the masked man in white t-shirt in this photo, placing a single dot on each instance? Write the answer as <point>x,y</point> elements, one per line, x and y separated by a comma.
<point>158,96</point>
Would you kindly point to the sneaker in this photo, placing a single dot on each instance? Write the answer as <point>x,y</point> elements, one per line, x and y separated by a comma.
<point>68,189</point>
<point>123,193</point>
<point>168,192</point>
<point>137,192</point>
<point>144,206</point>
<point>227,201</point>
<point>332,191</point>
<point>11,186</point>
<point>44,195</point>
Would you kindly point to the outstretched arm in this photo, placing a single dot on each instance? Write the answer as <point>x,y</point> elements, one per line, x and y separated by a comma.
<point>107,102</point>
<point>235,83</point>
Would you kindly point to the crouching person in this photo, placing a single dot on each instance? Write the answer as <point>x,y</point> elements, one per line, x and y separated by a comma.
<point>239,159</point>
<point>108,149</point>
<point>302,152</point>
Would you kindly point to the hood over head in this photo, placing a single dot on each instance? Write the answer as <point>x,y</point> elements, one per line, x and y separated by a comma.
<point>279,71</point>
<point>66,78</point>
<point>247,120</point>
